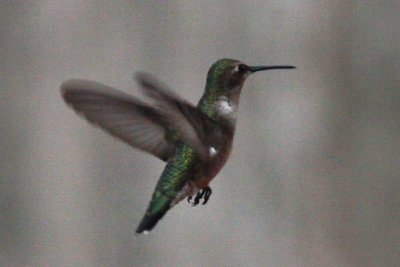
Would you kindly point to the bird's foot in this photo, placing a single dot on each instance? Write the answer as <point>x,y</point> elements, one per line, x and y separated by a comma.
<point>203,194</point>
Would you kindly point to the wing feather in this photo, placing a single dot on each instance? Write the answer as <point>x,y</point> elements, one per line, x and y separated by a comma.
<point>153,129</point>
<point>120,114</point>
<point>192,125</point>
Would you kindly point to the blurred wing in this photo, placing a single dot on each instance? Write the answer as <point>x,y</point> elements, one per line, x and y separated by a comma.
<point>121,115</point>
<point>192,125</point>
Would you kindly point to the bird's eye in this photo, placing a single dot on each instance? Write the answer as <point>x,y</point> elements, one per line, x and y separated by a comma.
<point>242,68</point>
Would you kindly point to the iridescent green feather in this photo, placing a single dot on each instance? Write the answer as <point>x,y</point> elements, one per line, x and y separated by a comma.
<point>170,184</point>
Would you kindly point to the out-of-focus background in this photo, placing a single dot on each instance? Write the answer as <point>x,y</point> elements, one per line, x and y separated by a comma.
<point>314,177</point>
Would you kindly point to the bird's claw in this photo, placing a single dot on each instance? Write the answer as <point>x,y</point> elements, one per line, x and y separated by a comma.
<point>203,194</point>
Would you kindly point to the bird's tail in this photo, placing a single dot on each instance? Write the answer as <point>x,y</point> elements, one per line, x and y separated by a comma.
<point>149,221</point>
<point>158,206</point>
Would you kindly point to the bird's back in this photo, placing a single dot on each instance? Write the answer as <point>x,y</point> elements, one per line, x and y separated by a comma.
<point>177,172</point>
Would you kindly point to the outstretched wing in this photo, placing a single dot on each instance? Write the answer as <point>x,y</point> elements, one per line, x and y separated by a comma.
<point>120,114</point>
<point>155,130</point>
<point>193,126</point>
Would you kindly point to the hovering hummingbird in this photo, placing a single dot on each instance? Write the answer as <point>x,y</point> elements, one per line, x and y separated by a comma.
<point>194,141</point>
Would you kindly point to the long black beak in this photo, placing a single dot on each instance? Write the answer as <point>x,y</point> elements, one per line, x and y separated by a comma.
<point>259,68</point>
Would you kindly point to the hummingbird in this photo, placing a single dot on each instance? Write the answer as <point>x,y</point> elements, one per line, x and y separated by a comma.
<point>194,141</point>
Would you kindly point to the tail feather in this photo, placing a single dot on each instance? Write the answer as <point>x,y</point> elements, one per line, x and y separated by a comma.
<point>149,221</point>
<point>159,205</point>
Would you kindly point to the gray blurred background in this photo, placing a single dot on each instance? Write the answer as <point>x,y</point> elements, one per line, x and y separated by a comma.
<point>314,175</point>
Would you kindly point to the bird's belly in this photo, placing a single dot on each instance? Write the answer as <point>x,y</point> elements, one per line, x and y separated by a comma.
<point>204,173</point>
<point>210,170</point>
